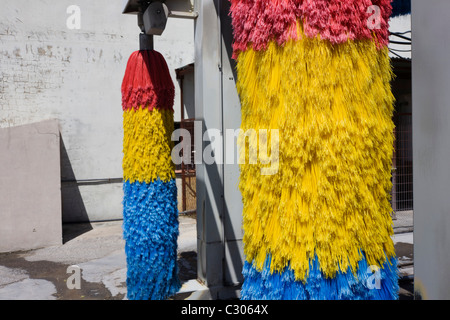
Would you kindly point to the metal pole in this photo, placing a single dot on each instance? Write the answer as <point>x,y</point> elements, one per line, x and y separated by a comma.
<point>145,42</point>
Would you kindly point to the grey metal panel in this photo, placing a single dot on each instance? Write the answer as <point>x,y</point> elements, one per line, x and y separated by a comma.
<point>431,147</point>
<point>234,252</point>
<point>219,203</point>
<point>231,122</point>
<point>209,176</point>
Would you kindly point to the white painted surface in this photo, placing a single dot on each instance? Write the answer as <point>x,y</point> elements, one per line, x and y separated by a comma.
<point>400,24</point>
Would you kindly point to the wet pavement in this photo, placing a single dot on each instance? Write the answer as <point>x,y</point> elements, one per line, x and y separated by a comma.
<point>404,249</point>
<point>97,251</point>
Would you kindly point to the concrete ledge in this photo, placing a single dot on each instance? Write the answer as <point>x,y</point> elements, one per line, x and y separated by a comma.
<point>30,188</point>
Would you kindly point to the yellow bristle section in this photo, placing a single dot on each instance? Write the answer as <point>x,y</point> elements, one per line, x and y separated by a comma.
<point>147,145</point>
<point>330,198</point>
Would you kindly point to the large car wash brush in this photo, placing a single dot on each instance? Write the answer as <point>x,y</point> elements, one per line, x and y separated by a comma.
<point>150,213</point>
<point>318,71</point>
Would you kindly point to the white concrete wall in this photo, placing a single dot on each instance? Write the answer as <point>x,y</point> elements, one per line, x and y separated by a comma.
<point>48,71</point>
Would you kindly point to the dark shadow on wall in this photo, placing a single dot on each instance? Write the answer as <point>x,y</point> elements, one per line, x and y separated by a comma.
<point>74,215</point>
<point>227,34</point>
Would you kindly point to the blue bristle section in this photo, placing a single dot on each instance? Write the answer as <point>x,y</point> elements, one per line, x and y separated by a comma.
<point>366,284</point>
<point>150,230</point>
